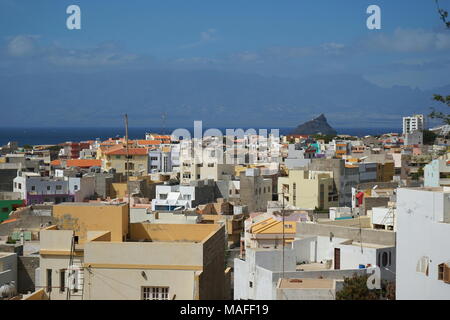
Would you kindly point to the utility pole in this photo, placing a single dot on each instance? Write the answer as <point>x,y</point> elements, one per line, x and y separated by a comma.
<point>127,171</point>
<point>282,214</point>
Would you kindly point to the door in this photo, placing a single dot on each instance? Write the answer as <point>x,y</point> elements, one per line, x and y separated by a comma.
<point>337,258</point>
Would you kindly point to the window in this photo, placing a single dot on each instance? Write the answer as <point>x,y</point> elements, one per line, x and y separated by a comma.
<point>48,188</point>
<point>75,187</point>
<point>186,197</point>
<point>250,284</point>
<point>20,186</point>
<point>58,187</point>
<point>33,188</point>
<point>444,272</point>
<point>384,259</point>
<point>163,196</point>
<point>422,265</point>
<point>62,280</point>
<point>155,293</point>
<point>49,280</point>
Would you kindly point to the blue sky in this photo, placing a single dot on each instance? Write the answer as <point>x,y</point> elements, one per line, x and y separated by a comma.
<point>281,38</point>
<point>293,39</point>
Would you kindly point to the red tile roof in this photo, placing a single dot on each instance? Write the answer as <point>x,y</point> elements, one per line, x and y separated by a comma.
<point>82,163</point>
<point>148,142</point>
<point>131,151</point>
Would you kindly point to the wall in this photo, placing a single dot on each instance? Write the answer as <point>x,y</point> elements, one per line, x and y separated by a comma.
<point>421,233</point>
<point>82,217</point>
<point>26,268</point>
<point>8,268</point>
<point>368,235</point>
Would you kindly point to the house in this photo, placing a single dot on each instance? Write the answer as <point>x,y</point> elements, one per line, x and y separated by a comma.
<point>423,233</point>
<point>437,173</point>
<point>308,189</point>
<point>157,262</point>
<point>35,189</point>
<point>179,197</point>
<point>116,158</point>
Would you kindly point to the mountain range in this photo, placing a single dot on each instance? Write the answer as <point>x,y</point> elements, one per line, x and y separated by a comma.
<point>215,97</point>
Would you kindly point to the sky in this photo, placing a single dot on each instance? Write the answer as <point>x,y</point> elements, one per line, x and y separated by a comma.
<point>289,38</point>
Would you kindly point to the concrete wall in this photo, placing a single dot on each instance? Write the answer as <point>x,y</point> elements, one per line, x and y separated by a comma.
<point>8,268</point>
<point>421,233</point>
<point>368,235</point>
<point>26,268</point>
<point>83,217</point>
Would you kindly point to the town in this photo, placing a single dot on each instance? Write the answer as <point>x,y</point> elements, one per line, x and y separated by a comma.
<point>310,215</point>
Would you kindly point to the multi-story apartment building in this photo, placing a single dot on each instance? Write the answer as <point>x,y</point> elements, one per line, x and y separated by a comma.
<point>413,123</point>
<point>160,160</point>
<point>308,189</point>
<point>116,158</point>
<point>155,262</point>
<point>35,189</point>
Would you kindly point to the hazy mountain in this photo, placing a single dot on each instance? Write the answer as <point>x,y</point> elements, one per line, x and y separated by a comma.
<point>317,125</point>
<point>218,98</point>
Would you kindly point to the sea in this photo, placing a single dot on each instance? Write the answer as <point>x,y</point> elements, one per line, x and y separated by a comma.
<point>53,135</point>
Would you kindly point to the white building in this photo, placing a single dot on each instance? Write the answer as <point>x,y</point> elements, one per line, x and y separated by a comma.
<point>413,123</point>
<point>36,189</point>
<point>159,161</point>
<point>423,236</point>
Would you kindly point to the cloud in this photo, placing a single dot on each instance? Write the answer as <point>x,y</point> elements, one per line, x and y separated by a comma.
<point>409,40</point>
<point>22,45</point>
<point>28,48</point>
<point>207,36</point>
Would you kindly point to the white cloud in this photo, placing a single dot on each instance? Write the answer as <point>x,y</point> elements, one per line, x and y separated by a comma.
<point>22,45</point>
<point>410,40</point>
<point>205,37</point>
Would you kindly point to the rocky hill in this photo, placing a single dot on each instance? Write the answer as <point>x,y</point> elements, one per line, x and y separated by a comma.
<point>318,125</point>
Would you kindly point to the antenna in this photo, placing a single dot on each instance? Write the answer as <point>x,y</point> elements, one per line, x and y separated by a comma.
<point>127,171</point>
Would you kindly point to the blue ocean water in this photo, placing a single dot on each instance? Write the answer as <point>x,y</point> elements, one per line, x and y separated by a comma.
<point>35,136</point>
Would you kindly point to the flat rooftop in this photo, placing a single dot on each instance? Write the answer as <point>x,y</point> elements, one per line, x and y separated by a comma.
<point>306,284</point>
<point>90,204</point>
<point>316,266</point>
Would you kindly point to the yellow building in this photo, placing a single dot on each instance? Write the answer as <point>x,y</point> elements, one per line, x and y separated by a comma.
<point>385,171</point>
<point>82,217</point>
<point>159,262</point>
<point>308,189</point>
<point>269,233</point>
<point>116,158</point>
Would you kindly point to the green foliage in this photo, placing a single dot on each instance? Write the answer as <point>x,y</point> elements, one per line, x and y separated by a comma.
<point>10,240</point>
<point>55,148</point>
<point>28,147</point>
<point>440,115</point>
<point>355,288</point>
<point>327,138</point>
<point>429,137</point>
<point>443,15</point>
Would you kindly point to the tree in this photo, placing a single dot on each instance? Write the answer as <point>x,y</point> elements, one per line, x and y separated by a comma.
<point>443,14</point>
<point>429,137</point>
<point>355,288</point>
<point>28,147</point>
<point>440,115</point>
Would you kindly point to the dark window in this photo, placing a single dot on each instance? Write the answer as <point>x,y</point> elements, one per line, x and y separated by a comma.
<point>49,280</point>
<point>384,259</point>
<point>62,280</point>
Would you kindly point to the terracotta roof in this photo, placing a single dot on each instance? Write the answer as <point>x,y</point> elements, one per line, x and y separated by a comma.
<point>82,163</point>
<point>131,151</point>
<point>8,221</point>
<point>148,142</point>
